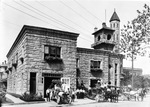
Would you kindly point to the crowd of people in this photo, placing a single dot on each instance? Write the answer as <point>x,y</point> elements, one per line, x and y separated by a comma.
<point>105,89</point>
<point>59,89</point>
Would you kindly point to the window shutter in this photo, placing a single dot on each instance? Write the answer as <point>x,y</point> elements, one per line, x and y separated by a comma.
<point>101,65</point>
<point>58,51</point>
<point>46,50</point>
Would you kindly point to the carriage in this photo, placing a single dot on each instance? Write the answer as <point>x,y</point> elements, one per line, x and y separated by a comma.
<point>134,95</point>
<point>63,97</point>
<point>107,93</point>
<point>59,95</point>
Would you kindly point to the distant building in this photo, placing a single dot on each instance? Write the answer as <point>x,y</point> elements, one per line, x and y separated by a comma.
<point>40,55</point>
<point>136,71</point>
<point>3,75</point>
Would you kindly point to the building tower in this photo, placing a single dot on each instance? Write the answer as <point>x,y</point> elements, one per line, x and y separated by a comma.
<point>103,38</point>
<point>115,24</point>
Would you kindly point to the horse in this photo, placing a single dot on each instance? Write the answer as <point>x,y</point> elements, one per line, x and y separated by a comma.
<point>111,93</point>
<point>135,94</point>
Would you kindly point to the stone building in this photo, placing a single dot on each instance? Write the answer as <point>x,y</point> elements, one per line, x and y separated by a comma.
<point>3,76</point>
<point>40,55</point>
<point>136,71</point>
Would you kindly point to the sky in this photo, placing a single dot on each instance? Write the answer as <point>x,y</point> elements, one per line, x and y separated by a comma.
<point>78,16</point>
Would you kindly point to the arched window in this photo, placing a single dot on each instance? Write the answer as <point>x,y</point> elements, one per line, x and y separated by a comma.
<point>114,25</point>
<point>114,37</point>
<point>117,25</point>
<point>108,37</point>
<point>99,37</point>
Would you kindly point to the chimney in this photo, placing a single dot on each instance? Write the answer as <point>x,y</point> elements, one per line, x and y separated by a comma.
<point>103,24</point>
<point>95,29</point>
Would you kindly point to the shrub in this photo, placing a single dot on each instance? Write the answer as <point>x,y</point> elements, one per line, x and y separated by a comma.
<point>31,97</point>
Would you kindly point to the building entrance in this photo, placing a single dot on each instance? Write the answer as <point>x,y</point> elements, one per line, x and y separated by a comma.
<point>93,83</point>
<point>48,78</point>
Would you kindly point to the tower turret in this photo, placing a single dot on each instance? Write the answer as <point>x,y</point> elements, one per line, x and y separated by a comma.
<point>115,24</point>
<point>103,38</point>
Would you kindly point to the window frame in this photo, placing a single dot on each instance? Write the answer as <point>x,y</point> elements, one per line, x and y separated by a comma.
<point>56,53</point>
<point>95,64</point>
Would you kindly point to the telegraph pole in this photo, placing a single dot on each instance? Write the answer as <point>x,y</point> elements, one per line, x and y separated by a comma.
<point>132,64</point>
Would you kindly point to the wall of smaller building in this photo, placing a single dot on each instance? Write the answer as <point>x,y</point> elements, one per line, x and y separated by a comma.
<point>86,55</point>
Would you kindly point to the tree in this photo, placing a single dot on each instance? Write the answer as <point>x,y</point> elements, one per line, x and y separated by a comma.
<point>134,34</point>
<point>126,80</point>
<point>140,82</point>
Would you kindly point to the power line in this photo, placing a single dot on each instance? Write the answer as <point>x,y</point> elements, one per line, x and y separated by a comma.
<point>60,15</point>
<point>87,11</point>
<point>35,17</point>
<point>28,14</point>
<point>48,17</point>
<point>54,19</point>
<point>77,13</point>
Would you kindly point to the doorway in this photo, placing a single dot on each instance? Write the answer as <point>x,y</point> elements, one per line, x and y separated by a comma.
<point>48,83</point>
<point>33,82</point>
<point>93,83</point>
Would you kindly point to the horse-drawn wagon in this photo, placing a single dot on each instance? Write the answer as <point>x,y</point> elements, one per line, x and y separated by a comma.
<point>58,94</point>
<point>107,93</point>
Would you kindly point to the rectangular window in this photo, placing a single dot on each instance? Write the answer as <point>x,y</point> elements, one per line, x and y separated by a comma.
<point>66,80</point>
<point>95,64</point>
<point>52,51</point>
<point>115,68</point>
<point>115,82</point>
<point>77,63</point>
<point>46,50</point>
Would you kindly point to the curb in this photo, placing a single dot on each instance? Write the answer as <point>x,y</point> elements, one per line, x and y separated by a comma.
<point>23,103</point>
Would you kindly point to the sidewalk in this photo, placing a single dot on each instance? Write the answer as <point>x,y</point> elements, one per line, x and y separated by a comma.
<point>14,99</point>
<point>52,103</point>
<point>83,101</point>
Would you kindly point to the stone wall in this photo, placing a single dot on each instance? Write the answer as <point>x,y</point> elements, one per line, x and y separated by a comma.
<point>86,55</point>
<point>36,62</point>
<point>15,83</point>
<point>30,48</point>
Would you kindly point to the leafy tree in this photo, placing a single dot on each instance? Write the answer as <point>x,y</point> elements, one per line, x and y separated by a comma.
<point>134,34</point>
<point>141,82</point>
<point>126,80</point>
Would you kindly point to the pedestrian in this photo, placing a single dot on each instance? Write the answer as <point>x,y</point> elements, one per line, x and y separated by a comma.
<point>89,91</point>
<point>48,94</point>
<point>73,95</point>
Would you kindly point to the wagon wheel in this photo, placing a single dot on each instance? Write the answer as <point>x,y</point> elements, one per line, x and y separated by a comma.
<point>97,98</point>
<point>58,100</point>
<point>69,100</point>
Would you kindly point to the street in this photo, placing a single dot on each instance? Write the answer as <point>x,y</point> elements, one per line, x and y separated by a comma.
<point>85,103</point>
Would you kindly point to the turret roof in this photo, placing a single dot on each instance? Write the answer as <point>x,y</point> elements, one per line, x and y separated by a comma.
<point>114,17</point>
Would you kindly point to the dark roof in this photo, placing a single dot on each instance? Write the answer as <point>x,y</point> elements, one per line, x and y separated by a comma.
<point>114,17</point>
<point>27,28</point>
<point>103,28</point>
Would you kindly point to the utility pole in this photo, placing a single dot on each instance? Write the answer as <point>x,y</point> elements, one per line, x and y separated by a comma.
<point>132,70</point>
<point>132,64</point>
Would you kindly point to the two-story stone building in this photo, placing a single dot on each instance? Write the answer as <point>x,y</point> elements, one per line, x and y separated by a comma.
<point>40,55</point>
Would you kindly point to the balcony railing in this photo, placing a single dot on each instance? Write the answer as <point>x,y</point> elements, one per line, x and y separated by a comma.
<point>96,70</point>
<point>52,59</point>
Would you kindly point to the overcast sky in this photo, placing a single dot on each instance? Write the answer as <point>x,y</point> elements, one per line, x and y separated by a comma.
<point>79,16</point>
